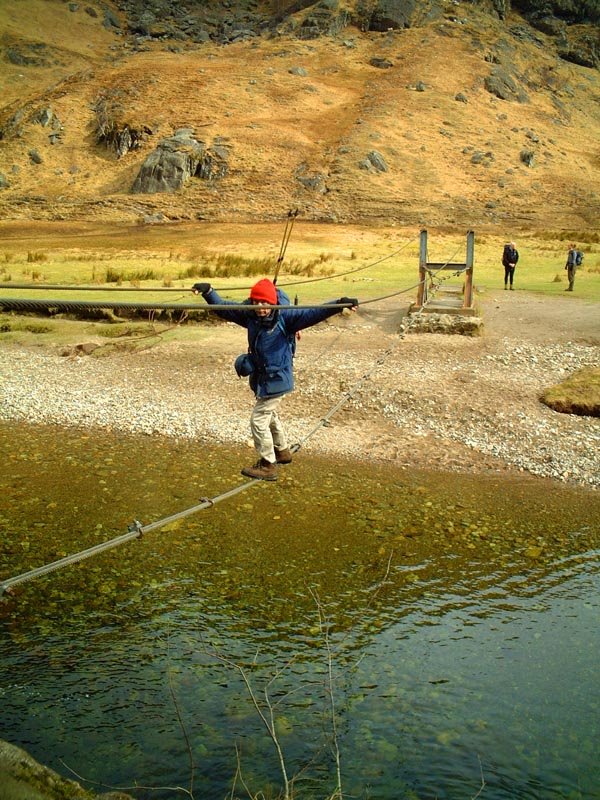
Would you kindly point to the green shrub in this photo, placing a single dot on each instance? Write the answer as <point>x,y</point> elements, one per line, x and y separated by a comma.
<point>141,275</point>
<point>112,276</point>
<point>196,271</point>
<point>34,257</point>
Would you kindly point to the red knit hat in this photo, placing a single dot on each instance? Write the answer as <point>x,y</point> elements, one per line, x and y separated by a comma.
<point>264,292</point>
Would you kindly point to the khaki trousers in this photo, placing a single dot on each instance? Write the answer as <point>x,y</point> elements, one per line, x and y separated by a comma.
<point>266,427</point>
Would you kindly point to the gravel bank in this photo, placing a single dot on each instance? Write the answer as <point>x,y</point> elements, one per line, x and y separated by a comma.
<point>441,402</point>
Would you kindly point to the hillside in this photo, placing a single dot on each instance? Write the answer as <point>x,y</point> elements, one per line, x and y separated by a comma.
<point>403,126</point>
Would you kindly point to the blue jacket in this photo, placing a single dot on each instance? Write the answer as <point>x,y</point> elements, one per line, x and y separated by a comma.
<point>271,340</point>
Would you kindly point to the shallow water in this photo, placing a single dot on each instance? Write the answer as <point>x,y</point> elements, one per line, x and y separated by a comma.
<point>441,630</point>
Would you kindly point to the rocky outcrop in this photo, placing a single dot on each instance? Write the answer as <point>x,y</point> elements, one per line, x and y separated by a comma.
<point>179,158</point>
<point>575,42</point>
<point>214,165</point>
<point>585,52</point>
<point>385,15</point>
<point>314,181</point>
<point>194,21</point>
<point>114,127</point>
<point>570,12</point>
<point>173,162</point>
<point>381,63</point>
<point>23,778</point>
<point>126,138</point>
<point>230,22</point>
<point>34,54</point>
<point>325,19</point>
<point>30,114</point>
<point>504,86</point>
<point>374,162</point>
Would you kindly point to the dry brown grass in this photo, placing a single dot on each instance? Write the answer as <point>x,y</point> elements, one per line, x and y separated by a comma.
<point>325,123</point>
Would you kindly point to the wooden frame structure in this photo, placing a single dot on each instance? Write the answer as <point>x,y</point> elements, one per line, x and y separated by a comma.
<point>463,304</point>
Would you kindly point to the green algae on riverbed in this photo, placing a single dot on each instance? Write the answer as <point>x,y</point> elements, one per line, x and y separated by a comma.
<point>337,526</point>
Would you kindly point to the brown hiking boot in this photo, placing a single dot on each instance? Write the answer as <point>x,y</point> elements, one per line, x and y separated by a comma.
<point>262,471</point>
<point>283,456</point>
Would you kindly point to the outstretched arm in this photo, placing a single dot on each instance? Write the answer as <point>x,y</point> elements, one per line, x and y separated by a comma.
<point>301,318</point>
<point>213,298</point>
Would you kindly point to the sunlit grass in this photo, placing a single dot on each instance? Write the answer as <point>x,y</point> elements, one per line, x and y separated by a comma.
<point>60,331</point>
<point>387,261</point>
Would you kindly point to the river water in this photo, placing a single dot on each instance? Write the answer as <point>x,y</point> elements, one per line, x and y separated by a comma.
<point>411,635</point>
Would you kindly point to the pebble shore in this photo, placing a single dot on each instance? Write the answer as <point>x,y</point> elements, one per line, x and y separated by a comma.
<point>447,402</point>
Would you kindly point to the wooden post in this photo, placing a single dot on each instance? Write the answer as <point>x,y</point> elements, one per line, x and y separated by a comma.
<point>468,296</point>
<point>422,290</point>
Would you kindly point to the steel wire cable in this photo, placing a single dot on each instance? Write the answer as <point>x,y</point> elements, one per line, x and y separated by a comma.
<point>16,304</point>
<point>289,224</point>
<point>84,288</point>
<point>136,530</point>
<point>349,271</point>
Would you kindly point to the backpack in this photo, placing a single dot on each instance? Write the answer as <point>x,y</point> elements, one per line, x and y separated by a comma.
<point>578,258</point>
<point>508,255</point>
<point>284,300</point>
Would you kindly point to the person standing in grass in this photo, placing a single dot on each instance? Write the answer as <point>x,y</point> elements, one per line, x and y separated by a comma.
<point>510,256</point>
<point>269,361</point>
<point>574,260</point>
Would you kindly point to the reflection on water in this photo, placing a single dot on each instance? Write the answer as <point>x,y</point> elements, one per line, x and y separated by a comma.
<point>458,637</point>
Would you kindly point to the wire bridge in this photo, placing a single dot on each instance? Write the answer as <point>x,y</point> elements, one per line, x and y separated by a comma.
<point>432,281</point>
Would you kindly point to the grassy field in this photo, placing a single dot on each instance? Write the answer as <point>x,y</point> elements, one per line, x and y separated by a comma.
<point>363,262</point>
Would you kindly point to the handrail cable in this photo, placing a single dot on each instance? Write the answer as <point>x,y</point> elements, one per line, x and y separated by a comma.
<point>289,224</point>
<point>136,529</point>
<point>16,304</point>
<point>11,304</point>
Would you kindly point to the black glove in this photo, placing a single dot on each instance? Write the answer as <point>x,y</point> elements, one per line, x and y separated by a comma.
<point>201,288</point>
<point>353,301</point>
